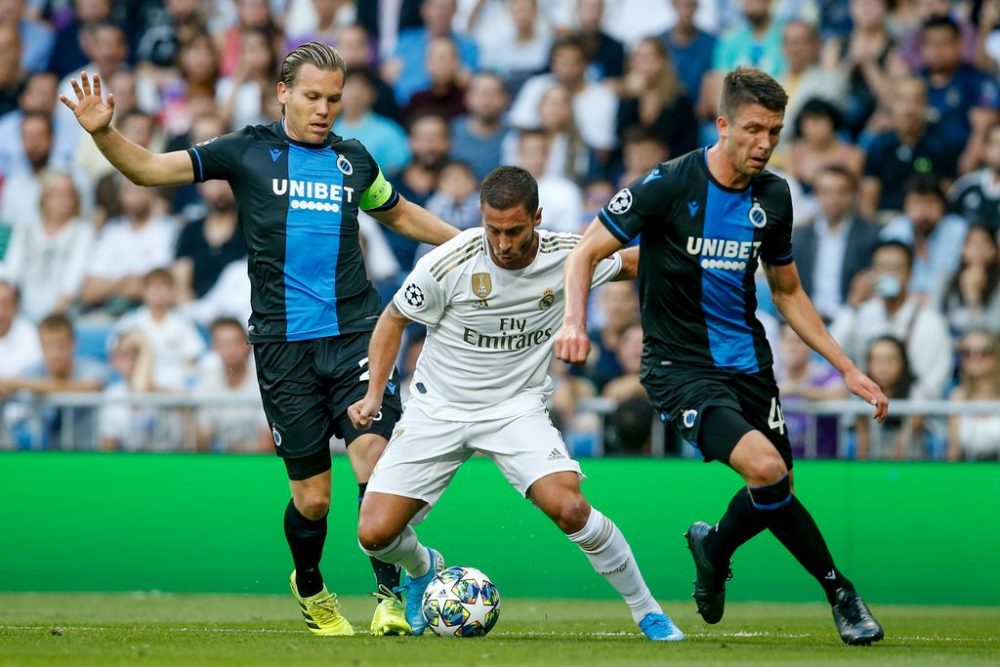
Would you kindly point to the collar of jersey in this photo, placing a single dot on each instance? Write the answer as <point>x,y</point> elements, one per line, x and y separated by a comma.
<point>725,188</point>
<point>330,138</point>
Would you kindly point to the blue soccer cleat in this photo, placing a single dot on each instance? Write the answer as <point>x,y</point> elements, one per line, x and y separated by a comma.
<point>415,587</point>
<point>660,628</point>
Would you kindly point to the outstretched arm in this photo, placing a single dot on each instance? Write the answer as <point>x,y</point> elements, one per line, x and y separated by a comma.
<point>415,222</point>
<point>571,341</point>
<point>382,351</point>
<point>795,306</point>
<point>135,162</point>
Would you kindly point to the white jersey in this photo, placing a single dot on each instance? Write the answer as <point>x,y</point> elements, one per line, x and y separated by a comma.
<point>489,330</point>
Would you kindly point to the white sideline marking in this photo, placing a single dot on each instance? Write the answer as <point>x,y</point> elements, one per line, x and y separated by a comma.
<point>742,634</point>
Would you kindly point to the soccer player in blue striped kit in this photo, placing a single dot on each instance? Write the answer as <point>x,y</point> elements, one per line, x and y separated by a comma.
<point>299,189</point>
<point>704,222</point>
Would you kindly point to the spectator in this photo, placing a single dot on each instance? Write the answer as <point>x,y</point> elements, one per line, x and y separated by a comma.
<point>19,346</point>
<point>837,246</point>
<point>806,78</point>
<point>887,362</point>
<point>880,304</point>
<point>207,246</point>
<point>642,150</point>
<point>910,41</point>
<point>816,144</point>
<point>654,98</point>
<point>324,21</point>
<point>963,100</point>
<point>167,27</point>
<point>478,135</point>
<point>605,54</point>
<point>457,197</point>
<point>568,156</point>
<point>558,197</point>
<point>755,42</point>
<point>909,147</point>
<point>594,106</point>
<point>988,38</point>
<point>47,260</point>
<point>173,338</point>
<point>239,95</point>
<point>865,56</point>
<point>807,377</point>
<point>382,136</point>
<point>935,235</point>
<point>519,48</point>
<point>690,49</point>
<point>198,66</point>
<point>407,69</point>
<point>385,19</point>
<point>35,37</point>
<point>128,248</point>
<point>629,427</point>
<point>618,303</point>
<point>976,437</point>
<point>124,423</point>
<point>61,371</point>
<point>445,92</point>
<point>37,95</point>
<point>241,428</point>
<point>68,51</point>
<point>12,76</point>
<point>976,196</point>
<point>21,194</point>
<point>970,299</point>
<point>358,52</point>
<point>430,142</point>
<point>250,15</point>
<point>229,297</point>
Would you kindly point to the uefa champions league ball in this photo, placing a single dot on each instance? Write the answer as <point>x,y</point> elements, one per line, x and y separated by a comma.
<point>461,602</point>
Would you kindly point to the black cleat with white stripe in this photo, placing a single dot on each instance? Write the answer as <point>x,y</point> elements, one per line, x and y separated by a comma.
<point>710,582</point>
<point>855,623</point>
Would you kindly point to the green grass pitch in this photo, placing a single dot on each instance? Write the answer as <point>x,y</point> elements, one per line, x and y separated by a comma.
<point>196,630</point>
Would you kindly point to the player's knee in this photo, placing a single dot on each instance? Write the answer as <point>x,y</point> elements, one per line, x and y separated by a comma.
<point>571,513</point>
<point>313,505</point>
<point>767,469</point>
<point>375,534</point>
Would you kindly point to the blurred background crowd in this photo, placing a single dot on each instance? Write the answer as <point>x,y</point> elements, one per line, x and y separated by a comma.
<point>120,293</point>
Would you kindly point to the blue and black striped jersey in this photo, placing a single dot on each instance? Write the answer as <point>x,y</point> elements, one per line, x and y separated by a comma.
<point>298,211</point>
<point>699,246</point>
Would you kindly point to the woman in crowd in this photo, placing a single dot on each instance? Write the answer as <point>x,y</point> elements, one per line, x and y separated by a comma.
<point>816,144</point>
<point>239,95</point>
<point>971,298</point>
<point>889,366</point>
<point>976,437</point>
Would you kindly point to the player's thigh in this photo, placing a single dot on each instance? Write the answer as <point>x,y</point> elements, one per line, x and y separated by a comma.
<point>293,398</point>
<point>343,364</point>
<point>761,404</point>
<point>421,457</point>
<point>526,448</point>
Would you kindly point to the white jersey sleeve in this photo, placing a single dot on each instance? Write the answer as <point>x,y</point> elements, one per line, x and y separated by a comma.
<point>421,298</point>
<point>606,270</point>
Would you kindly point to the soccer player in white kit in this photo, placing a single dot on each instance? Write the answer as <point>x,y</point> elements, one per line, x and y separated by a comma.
<point>492,299</point>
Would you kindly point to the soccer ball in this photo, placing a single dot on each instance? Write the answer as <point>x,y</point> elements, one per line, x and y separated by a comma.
<point>461,602</point>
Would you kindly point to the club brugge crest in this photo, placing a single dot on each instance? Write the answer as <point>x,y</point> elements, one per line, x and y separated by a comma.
<point>548,297</point>
<point>757,215</point>
<point>482,285</point>
<point>344,165</point>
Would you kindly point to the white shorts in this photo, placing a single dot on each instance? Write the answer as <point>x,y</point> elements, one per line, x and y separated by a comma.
<point>424,453</point>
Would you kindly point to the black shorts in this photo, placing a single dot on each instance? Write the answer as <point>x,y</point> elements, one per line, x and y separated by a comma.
<point>307,386</point>
<point>687,397</point>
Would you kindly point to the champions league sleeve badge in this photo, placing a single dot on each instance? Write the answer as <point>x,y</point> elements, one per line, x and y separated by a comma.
<point>757,215</point>
<point>414,295</point>
<point>621,202</point>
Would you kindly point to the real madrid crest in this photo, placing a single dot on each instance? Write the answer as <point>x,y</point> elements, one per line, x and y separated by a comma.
<point>757,215</point>
<point>482,285</point>
<point>344,165</point>
<point>548,298</point>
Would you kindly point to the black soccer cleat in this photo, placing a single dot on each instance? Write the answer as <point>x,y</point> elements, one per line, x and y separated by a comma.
<point>710,582</point>
<point>855,623</point>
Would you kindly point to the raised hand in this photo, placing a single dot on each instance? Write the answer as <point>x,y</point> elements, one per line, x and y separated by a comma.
<point>91,110</point>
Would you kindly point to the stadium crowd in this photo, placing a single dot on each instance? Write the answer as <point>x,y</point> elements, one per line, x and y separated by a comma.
<point>891,146</point>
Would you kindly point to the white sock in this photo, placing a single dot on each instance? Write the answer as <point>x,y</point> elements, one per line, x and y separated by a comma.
<point>609,553</point>
<point>405,551</point>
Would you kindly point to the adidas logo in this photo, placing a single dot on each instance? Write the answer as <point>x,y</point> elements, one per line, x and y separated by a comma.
<point>555,454</point>
<point>830,576</point>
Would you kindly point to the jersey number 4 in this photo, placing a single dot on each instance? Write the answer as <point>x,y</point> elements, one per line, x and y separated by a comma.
<point>776,420</point>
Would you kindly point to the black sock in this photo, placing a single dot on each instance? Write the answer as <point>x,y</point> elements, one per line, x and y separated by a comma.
<point>791,523</point>
<point>386,574</point>
<point>738,525</point>
<point>305,539</point>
